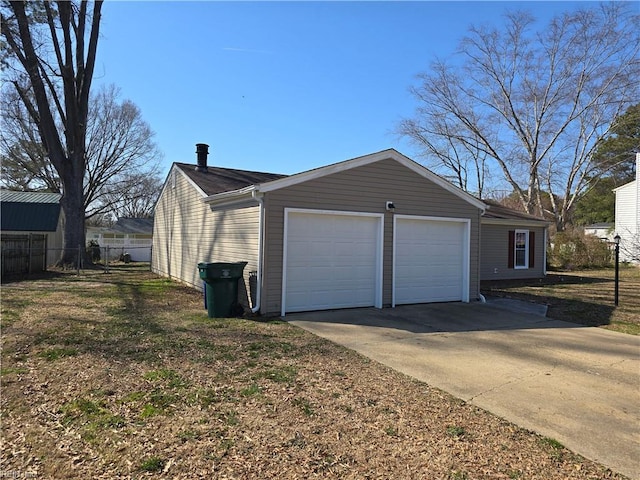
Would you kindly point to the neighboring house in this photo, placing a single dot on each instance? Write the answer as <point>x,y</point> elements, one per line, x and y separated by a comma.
<point>25,214</point>
<point>604,231</point>
<point>128,235</point>
<point>628,217</point>
<point>378,230</point>
<point>513,244</point>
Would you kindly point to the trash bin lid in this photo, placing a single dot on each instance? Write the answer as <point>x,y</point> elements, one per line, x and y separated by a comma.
<point>221,270</point>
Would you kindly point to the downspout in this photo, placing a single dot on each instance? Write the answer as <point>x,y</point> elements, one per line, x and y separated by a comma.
<point>258,197</point>
<point>479,264</point>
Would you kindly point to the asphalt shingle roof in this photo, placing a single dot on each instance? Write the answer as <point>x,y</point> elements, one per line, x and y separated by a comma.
<point>498,211</point>
<point>219,180</point>
<point>133,225</point>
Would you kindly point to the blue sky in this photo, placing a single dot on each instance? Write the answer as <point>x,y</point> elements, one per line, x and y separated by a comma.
<point>281,86</point>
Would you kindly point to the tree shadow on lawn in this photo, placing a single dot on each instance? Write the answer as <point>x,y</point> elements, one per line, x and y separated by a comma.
<point>138,328</point>
<point>71,274</point>
<point>552,279</point>
<point>574,310</point>
<point>130,331</point>
<point>22,277</point>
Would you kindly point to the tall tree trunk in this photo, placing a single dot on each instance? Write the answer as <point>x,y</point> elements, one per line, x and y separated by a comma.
<point>73,206</point>
<point>61,57</point>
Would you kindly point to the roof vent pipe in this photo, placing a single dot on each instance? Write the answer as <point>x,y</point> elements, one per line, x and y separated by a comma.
<point>202,150</point>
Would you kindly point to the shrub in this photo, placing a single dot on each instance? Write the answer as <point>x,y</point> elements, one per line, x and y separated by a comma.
<point>93,249</point>
<point>572,249</point>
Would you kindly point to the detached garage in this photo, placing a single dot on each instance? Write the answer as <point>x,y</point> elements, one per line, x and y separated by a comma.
<point>374,231</point>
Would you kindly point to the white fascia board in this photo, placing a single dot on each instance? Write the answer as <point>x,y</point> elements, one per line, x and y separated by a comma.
<point>175,169</point>
<point>629,185</point>
<point>366,160</point>
<point>167,181</point>
<point>514,222</point>
<point>438,180</point>
<point>194,184</point>
<point>226,199</point>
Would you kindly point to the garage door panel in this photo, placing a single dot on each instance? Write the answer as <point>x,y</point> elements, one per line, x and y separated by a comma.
<point>429,260</point>
<point>331,261</point>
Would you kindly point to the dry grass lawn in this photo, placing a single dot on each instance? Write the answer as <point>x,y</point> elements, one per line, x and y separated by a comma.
<point>585,297</point>
<point>122,375</point>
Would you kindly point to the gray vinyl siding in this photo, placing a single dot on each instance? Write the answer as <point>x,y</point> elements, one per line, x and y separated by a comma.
<point>363,189</point>
<point>494,262</point>
<point>186,232</point>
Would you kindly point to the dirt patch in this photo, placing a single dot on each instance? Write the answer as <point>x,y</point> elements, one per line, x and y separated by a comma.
<point>122,375</point>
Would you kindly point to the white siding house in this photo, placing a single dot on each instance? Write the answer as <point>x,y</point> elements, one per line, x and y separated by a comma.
<point>604,231</point>
<point>628,217</point>
<point>128,235</point>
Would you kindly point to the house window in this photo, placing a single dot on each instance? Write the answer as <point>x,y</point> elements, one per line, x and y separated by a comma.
<point>521,249</point>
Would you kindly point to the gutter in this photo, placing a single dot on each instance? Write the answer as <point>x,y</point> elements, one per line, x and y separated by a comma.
<point>259,197</point>
<point>231,198</point>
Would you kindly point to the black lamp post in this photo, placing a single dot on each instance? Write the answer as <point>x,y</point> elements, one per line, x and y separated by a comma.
<point>616,240</point>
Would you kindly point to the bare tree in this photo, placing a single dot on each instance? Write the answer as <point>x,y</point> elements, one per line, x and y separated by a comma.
<point>462,163</point>
<point>52,58</point>
<point>120,152</point>
<point>534,102</point>
<point>139,200</point>
<point>23,159</point>
<point>121,156</point>
<point>630,246</point>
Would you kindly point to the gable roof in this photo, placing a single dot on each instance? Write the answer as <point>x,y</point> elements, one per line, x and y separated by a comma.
<point>29,197</point>
<point>498,213</point>
<point>218,180</point>
<point>248,191</point>
<point>133,225</point>
<point>633,183</point>
<point>600,225</point>
<point>29,211</point>
<point>627,186</point>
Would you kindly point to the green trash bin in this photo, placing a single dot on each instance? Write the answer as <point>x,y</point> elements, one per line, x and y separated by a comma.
<point>221,285</point>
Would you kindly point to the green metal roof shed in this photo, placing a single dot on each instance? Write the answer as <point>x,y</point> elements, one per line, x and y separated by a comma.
<point>29,211</point>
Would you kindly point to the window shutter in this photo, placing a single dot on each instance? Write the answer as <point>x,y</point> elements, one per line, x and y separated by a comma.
<point>532,249</point>
<point>512,247</point>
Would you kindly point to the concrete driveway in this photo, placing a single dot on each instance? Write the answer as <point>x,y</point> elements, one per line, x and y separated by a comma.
<point>578,385</point>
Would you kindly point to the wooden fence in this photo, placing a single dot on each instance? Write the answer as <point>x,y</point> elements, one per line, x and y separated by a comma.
<point>24,253</point>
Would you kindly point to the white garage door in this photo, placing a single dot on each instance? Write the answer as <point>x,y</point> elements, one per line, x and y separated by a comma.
<point>431,260</point>
<point>332,260</point>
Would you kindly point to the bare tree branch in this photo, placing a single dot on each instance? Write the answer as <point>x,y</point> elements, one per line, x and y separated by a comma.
<point>535,103</point>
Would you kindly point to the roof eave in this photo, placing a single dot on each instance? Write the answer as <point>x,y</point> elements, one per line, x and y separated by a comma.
<point>625,186</point>
<point>519,222</point>
<point>240,197</point>
<point>368,159</point>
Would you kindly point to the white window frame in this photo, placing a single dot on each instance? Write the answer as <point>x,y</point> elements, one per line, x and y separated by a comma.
<point>526,250</point>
